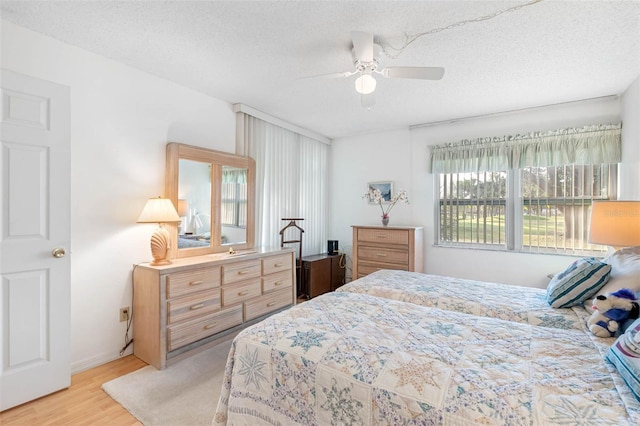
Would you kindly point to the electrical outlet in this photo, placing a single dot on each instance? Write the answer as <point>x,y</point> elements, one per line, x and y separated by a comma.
<point>124,314</point>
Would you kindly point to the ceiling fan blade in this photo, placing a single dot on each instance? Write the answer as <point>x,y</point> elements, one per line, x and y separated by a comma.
<point>362,45</point>
<point>422,73</point>
<point>331,75</point>
<point>368,100</point>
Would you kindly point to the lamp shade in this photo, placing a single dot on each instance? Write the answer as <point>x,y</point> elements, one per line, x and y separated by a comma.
<point>159,210</point>
<point>183,207</point>
<point>615,223</point>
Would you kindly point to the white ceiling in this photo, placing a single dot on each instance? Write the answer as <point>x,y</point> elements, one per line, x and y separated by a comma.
<point>255,52</point>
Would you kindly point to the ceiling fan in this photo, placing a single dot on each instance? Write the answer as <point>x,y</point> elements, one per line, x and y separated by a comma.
<point>367,61</point>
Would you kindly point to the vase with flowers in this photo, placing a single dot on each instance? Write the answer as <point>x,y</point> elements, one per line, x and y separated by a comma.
<point>375,196</point>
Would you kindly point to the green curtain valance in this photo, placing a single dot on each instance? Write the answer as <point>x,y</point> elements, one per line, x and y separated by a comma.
<point>234,175</point>
<point>596,144</point>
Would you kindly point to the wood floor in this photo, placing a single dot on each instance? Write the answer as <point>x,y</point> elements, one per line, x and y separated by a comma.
<point>83,403</point>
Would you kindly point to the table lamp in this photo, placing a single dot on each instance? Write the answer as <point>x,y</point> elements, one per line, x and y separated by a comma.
<point>183,211</point>
<point>159,210</point>
<point>615,223</point>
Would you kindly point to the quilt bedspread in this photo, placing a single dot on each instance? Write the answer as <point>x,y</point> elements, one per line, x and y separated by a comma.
<point>513,303</point>
<point>347,358</point>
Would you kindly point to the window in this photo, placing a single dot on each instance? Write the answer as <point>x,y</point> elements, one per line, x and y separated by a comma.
<point>234,201</point>
<point>550,212</point>
<point>555,205</point>
<point>524,205</point>
<point>473,208</point>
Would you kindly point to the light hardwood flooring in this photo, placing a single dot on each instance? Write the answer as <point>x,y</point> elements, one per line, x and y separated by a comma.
<point>83,403</point>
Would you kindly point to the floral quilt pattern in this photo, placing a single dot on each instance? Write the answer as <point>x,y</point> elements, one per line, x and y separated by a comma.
<point>519,304</point>
<point>353,359</point>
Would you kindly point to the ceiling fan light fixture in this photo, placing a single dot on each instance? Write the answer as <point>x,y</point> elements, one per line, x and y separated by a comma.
<point>365,84</point>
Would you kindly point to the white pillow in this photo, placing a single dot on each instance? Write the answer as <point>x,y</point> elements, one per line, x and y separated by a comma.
<point>625,270</point>
<point>631,281</point>
<point>624,261</point>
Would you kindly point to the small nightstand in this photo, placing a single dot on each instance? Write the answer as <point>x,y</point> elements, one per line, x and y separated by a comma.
<point>321,273</point>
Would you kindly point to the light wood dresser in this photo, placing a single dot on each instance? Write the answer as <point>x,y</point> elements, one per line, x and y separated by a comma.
<point>386,247</point>
<point>197,300</point>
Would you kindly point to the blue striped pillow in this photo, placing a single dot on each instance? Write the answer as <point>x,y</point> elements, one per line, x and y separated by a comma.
<point>624,354</point>
<point>581,280</point>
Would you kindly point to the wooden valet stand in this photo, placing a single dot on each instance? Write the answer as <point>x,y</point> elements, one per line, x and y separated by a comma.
<point>303,293</point>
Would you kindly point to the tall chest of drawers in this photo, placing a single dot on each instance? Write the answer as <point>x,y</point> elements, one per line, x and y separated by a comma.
<point>386,247</point>
<point>194,301</point>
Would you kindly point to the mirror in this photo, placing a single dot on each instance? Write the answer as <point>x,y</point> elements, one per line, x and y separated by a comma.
<point>194,203</point>
<point>233,206</point>
<point>213,193</point>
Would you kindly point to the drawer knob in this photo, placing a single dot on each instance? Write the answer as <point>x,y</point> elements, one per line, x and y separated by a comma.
<point>382,254</point>
<point>270,304</point>
<point>277,265</point>
<point>381,236</point>
<point>196,282</point>
<point>243,293</point>
<point>197,306</point>
<point>210,326</point>
<point>277,283</point>
<point>243,272</point>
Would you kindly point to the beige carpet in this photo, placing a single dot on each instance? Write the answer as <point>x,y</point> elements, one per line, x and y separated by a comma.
<point>185,393</point>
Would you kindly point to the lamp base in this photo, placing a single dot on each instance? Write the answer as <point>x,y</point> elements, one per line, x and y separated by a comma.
<point>160,247</point>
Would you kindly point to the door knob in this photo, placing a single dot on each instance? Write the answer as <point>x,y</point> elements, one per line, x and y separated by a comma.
<point>58,252</point>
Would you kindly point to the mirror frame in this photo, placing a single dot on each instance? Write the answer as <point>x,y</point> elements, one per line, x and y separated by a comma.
<point>217,159</point>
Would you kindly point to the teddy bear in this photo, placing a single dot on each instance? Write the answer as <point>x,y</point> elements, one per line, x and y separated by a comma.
<point>611,311</point>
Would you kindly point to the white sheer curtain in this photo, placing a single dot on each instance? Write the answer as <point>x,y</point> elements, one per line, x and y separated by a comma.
<point>291,182</point>
<point>589,145</point>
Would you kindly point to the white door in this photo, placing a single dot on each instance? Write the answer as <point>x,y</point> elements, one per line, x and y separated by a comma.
<point>34,239</point>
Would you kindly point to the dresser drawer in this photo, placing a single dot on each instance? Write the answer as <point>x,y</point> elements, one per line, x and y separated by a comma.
<point>179,283</point>
<point>191,331</point>
<point>193,305</point>
<point>239,292</point>
<point>277,281</point>
<point>383,254</point>
<point>366,268</point>
<point>274,264</point>
<point>267,303</point>
<point>240,271</point>
<point>386,236</point>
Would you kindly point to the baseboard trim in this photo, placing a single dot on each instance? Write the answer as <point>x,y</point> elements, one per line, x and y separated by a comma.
<point>98,360</point>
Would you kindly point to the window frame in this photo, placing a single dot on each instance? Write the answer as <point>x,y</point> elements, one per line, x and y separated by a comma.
<point>514,217</point>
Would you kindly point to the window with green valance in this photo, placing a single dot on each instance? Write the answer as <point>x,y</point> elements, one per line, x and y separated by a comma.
<point>528,192</point>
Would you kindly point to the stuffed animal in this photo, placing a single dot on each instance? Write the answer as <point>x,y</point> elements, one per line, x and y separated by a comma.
<point>611,311</point>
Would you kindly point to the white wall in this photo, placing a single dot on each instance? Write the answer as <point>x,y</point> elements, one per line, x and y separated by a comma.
<point>402,156</point>
<point>629,182</point>
<point>121,120</point>
<point>369,158</point>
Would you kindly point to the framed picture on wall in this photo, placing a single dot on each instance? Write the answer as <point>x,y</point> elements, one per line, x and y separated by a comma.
<point>385,188</point>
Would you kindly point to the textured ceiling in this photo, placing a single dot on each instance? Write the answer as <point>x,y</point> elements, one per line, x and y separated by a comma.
<point>257,53</point>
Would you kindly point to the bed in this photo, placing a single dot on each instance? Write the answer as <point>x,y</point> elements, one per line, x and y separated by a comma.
<point>403,348</point>
<point>519,304</point>
<point>191,242</point>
